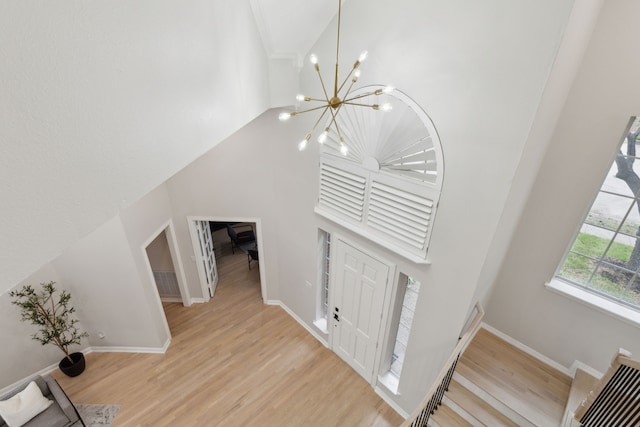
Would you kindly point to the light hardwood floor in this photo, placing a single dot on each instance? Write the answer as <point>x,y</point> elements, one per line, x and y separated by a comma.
<point>531,388</point>
<point>232,362</point>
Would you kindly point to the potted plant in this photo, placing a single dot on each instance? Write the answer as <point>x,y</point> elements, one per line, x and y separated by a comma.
<point>52,314</point>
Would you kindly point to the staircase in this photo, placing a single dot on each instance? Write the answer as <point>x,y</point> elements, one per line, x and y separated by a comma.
<point>496,384</point>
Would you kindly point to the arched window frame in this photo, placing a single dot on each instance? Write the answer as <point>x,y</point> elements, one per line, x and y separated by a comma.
<point>388,185</point>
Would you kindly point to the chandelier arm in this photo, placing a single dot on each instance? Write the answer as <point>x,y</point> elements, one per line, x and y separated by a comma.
<point>346,94</point>
<point>339,134</point>
<point>334,115</point>
<point>364,95</point>
<point>361,105</point>
<point>324,89</point>
<point>311,109</point>
<point>347,79</point>
<point>335,122</point>
<point>319,118</point>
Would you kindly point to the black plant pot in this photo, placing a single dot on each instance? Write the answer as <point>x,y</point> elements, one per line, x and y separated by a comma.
<point>73,369</point>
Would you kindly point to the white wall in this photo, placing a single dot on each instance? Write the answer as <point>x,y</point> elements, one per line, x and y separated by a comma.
<point>479,71</point>
<point>102,274</point>
<point>237,179</point>
<point>103,101</point>
<point>603,97</point>
<point>108,276</point>
<point>22,356</point>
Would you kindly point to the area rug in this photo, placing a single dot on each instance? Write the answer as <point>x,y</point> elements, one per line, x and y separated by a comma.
<point>97,415</point>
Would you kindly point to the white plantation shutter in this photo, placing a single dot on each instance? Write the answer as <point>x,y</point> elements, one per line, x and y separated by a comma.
<point>388,185</point>
<point>342,192</point>
<point>400,215</point>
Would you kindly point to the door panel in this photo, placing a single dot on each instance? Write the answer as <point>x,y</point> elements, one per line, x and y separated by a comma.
<point>359,286</point>
<point>207,255</point>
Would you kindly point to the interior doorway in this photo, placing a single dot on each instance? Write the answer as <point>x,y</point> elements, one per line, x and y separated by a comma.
<point>227,246</point>
<point>164,272</point>
<point>165,267</point>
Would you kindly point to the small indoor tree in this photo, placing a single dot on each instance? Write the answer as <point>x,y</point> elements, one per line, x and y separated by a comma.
<point>52,313</point>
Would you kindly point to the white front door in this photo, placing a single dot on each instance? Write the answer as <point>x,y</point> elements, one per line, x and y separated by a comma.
<point>208,258</point>
<point>359,287</point>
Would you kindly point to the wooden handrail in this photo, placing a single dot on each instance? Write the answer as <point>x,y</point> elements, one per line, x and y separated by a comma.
<point>463,343</point>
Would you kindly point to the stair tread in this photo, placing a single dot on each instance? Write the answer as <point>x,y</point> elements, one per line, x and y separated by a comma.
<point>474,405</point>
<point>447,417</point>
<point>533,389</point>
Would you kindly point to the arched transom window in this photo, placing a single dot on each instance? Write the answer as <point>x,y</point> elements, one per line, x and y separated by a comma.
<point>387,186</point>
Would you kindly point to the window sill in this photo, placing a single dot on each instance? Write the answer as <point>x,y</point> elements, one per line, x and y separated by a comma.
<point>390,381</point>
<point>322,325</point>
<point>597,302</point>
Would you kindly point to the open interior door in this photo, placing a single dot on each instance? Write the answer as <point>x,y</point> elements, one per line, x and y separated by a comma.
<point>207,267</point>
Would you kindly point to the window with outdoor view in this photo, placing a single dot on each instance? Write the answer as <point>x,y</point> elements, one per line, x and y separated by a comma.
<point>605,256</point>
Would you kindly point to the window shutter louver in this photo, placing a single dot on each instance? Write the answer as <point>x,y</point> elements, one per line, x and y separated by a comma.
<point>342,192</point>
<point>402,216</point>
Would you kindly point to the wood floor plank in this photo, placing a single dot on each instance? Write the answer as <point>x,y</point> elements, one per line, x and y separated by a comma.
<point>447,417</point>
<point>533,389</point>
<point>232,362</point>
<point>477,407</point>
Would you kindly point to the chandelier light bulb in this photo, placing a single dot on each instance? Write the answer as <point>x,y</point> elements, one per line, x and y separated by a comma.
<point>334,97</point>
<point>322,138</point>
<point>283,117</point>
<point>303,144</point>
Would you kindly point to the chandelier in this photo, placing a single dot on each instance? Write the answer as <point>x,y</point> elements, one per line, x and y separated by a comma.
<point>332,102</point>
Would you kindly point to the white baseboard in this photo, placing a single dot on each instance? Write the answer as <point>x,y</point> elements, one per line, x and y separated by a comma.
<point>517,344</point>
<point>41,372</point>
<point>299,320</point>
<point>89,350</point>
<point>197,301</point>
<point>171,299</point>
<point>383,394</point>
<point>583,366</point>
<point>115,349</point>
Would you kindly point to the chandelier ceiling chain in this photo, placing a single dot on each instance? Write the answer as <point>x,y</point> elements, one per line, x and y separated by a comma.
<point>335,102</point>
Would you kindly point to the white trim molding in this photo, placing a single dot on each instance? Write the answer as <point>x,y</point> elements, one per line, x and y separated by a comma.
<point>299,320</point>
<point>584,367</point>
<point>389,401</point>
<point>589,299</point>
<point>89,350</point>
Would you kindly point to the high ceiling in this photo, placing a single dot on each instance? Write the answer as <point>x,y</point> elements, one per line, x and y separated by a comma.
<point>289,28</point>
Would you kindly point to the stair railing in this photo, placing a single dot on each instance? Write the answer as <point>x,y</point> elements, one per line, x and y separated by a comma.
<point>435,394</point>
<point>616,399</point>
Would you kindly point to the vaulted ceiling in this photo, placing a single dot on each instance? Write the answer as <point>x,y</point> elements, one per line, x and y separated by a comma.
<point>289,28</point>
